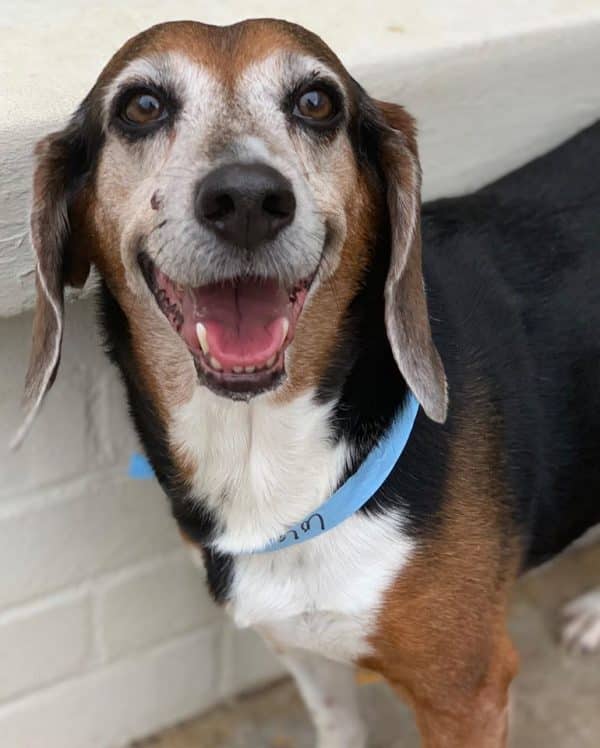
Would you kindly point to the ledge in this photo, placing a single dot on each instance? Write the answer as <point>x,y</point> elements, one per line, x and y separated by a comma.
<point>491,84</point>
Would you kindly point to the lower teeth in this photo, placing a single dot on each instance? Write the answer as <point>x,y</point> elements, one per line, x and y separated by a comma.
<point>215,364</point>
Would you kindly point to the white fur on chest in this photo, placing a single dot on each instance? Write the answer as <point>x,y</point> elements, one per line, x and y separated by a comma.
<point>261,468</point>
<point>323,595</point>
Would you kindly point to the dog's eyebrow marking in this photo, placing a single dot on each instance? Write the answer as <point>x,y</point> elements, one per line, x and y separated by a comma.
<point>170,70</point>
<point>141,69</point>
<point>284,69</point>
<point>273,74</point>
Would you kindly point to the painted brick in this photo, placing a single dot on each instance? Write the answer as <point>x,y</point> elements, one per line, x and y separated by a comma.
<point>113,428</point>
<point>43,645</point>
<point>151,605</point>
<point>83,423</point>
<point>110,707</point>
<point>103,524</point>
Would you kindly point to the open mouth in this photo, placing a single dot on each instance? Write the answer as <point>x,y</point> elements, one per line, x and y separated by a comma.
<point>237,331</point>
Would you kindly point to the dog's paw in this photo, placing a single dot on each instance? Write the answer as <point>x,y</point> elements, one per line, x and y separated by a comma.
<point>581,630</point>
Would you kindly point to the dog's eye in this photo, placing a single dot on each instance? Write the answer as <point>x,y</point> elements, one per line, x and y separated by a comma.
<point>315,105</point>
<point>143,108</point>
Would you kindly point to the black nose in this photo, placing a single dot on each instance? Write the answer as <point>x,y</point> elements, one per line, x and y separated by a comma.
<point>245,204</point>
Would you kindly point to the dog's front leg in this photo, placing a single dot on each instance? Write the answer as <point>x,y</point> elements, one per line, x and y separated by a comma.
<point>329,691</point>
<point>462,704</point>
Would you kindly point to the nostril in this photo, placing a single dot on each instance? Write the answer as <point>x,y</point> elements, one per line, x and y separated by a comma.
<point>216,207</point>
<point>279,204</point>
<point>244,204</point>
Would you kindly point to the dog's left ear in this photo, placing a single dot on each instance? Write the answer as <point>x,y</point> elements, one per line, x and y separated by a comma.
<point>62,163</point>
<point>406,315</point>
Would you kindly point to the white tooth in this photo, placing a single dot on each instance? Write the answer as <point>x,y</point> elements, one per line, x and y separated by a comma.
<point>238,369</point>
<point>271,361</point>
<point>214,363</point>
<point>202,337</point>
<point>284,331</point>
<point>250,369</point>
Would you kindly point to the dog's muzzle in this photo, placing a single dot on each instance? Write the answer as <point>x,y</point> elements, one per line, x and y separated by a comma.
<point>237,329</point>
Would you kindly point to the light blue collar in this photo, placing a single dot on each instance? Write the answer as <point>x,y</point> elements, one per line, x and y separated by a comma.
<point>350,496</point>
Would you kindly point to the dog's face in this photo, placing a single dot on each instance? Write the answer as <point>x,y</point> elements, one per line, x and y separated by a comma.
<point>226,174</point>
<point>228,183</point>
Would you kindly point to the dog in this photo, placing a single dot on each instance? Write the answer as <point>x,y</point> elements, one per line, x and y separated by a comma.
<point>256,222</point>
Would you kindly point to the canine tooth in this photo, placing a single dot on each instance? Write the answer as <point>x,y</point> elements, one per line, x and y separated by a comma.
<point>238,369</point>
<point>286,327</point>
<point>214,363</point>
<point>202,337</point>
<point>271,361</point>
<point>250,369</point>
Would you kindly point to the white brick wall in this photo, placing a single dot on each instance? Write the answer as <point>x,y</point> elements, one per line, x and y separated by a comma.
<point>107,632</point>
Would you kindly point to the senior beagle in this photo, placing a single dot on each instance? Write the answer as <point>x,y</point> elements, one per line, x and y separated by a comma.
<point>255,218</point>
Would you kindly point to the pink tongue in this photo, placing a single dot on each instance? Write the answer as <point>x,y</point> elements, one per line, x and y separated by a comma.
<point>245,323</point>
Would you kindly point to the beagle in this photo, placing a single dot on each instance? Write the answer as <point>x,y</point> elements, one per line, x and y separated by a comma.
<point>255,219</point>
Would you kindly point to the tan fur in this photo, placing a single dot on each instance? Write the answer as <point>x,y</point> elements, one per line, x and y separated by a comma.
<point>152,339</point>
<point>441,638</point>
<point>319,325</point>
<point>224,50</point>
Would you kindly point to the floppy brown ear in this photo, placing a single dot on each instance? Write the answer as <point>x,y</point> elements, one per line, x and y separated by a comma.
<point>60,164</point>
<point>406,315</point>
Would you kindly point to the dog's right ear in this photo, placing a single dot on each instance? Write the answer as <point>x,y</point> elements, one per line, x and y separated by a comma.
<point>64,160</point>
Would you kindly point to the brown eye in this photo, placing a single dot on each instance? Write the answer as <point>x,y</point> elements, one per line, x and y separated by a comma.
<point>315,105</point>
<point>143,109</point>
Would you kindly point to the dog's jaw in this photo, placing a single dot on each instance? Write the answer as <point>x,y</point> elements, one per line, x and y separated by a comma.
<point>236,331</point>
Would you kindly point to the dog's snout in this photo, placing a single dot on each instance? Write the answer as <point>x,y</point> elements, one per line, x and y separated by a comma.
<point>245,204</point>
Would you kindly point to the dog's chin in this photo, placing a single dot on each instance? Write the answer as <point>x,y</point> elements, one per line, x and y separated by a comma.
<point>237,331</point>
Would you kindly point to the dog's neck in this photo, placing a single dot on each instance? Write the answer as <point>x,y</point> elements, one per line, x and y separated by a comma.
<point>259,466</point>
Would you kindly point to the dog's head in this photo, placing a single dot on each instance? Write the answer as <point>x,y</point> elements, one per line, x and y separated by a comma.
<point>228,184</point>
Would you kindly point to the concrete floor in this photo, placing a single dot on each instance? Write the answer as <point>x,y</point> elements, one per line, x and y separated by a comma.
<point>556,696</point>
